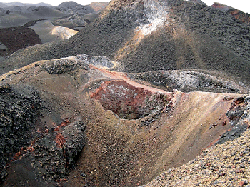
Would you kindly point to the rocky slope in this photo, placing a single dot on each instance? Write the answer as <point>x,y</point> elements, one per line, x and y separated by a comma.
<point>131,130</point>
<point>157,35</point>
<point>237,14</point>
<point>222,165</point>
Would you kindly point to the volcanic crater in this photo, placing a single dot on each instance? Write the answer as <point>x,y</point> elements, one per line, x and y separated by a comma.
<point>128,101</point>
<point>98,127</point>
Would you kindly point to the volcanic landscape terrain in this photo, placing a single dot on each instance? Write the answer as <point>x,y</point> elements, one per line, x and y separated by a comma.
<point>144,93</point>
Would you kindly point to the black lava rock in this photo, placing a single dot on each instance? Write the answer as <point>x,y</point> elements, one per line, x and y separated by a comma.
<point>19,110</point>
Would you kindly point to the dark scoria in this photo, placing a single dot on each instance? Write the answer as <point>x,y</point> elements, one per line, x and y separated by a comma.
<point>19,109</point>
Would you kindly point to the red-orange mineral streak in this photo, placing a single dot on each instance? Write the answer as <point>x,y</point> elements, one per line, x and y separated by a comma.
<point>57,128</point>
<point>22,151</point>
<point>60,140</point>
<point>65,123</point>
<point>120,97</point>
<point>122,76</point>
<point>237,14</point>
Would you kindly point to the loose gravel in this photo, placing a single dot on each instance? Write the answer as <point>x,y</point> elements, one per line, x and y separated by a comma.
<point>225,164</point>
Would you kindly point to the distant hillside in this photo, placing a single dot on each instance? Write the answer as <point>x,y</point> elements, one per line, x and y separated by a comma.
<point>2,5</point>
<point>73,7</point>
<point>13,16</point>
<point>67,14</point>
<point>78,16</point>
<point>98,6</point>
<point>26,4</point>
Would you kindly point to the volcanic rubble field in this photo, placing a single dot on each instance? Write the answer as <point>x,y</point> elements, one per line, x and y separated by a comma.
<point>67,122</point>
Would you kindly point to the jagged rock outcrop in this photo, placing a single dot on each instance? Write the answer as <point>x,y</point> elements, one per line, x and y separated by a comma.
<point>19,107</point>
<point>239,116</point>
<point>56,151</point>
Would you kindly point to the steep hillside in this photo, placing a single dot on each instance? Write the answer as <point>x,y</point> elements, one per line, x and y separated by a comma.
<point>221,165</point>
<point>157,35</point>
<point>217,24</point>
